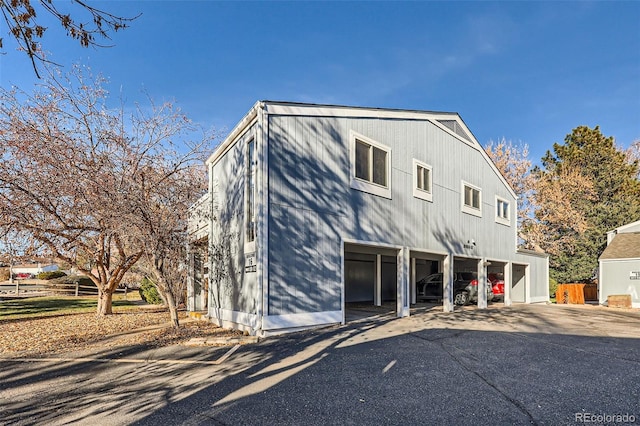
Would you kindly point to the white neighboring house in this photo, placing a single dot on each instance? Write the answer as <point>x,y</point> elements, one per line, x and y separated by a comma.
<point>34,269</point>
<point>620,264</point>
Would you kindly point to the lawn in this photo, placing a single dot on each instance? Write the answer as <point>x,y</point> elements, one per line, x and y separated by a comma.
<point>37,307</point>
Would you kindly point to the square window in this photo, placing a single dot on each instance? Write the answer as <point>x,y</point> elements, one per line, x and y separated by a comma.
<point>471,199</point>
<point>503,211</point>
<point>468,195</point>
<point>371,163</point>
<point>370,166</point>
<point>422,180</point>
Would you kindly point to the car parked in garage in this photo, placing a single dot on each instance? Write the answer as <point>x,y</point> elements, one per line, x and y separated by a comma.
<point>497,285</point>
<point>429,287</point>
<point>465,288</point>
<point>470,291</point>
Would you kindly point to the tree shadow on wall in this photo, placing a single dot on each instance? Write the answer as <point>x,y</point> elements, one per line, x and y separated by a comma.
<point>311,209</point>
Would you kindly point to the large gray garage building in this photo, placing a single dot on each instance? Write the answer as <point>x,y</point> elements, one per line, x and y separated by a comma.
<point>314,208</point>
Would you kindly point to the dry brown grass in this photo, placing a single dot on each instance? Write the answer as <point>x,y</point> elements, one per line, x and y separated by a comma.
<point>56,335</point>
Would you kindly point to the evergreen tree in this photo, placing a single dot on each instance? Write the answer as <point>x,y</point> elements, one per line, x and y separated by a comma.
<point>587,187</point>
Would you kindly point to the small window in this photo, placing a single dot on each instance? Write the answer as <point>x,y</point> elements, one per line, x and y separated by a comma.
<point>250,196</point>
<point>471,199</point>
<point>370,165</point>
<point>503,213</point>
<point>422,181</point>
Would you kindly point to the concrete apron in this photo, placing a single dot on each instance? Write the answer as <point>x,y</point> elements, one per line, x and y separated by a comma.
<point>536,318</point>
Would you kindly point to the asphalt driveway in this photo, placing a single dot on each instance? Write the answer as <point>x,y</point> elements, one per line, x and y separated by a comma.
<point>525,364</point>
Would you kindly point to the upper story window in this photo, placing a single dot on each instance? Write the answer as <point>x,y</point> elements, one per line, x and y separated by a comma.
<point>422,180</point>
<point>370,165</point>
<point>503,211</point>
<point>250,191</point>
<point>471,199</point>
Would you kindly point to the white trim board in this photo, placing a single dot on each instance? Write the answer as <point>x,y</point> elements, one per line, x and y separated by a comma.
<point>245,123</point>
<point>237,317</point>
<point>273,322</point>
<point>371,244</point>
<point>623,227</point>
<point>318,110</point>
<point>623,259</point>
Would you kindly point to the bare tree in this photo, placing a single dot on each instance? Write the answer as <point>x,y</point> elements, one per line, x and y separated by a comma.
<point>560,220</point>
<point>633,155</point>
<point>514,164</point>
<point>21,17</point>
<point>168,190</point>
<point>14,247</point>
<point>76,175</point>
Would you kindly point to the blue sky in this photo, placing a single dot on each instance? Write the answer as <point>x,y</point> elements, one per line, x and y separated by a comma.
<point>526,71</point>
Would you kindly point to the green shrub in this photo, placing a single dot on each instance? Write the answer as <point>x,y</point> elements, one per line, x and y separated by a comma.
<point>553,286</point>
<point>50,275</point>
<point>149,292</point>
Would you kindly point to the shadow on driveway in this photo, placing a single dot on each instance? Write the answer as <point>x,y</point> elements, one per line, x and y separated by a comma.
<point>518,365</point>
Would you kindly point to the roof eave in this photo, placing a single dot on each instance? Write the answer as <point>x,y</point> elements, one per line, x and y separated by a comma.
<point>242,125</point>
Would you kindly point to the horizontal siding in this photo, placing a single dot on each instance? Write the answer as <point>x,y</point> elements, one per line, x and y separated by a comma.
<point>309,183</point>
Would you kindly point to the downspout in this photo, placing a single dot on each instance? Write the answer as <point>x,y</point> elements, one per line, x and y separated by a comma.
<point>600,300</point>
<point>212,309</point>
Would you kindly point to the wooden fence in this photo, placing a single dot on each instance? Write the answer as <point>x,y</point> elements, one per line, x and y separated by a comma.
<point>576,293</point>
<point>77,289</point>
<point>65,289</point>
